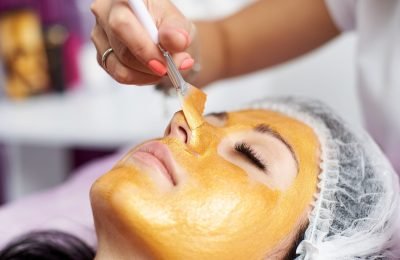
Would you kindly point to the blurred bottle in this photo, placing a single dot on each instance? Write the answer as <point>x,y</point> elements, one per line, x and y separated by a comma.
<point>55,26</point>
<point>23,54</point>
<point>63,39</point>
<point>55,36</point>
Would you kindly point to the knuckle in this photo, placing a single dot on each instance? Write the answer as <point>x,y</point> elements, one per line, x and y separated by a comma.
<point>94,8</point>
<point>125,56</point>
<point>135,55</point>
<point>117,23</point>
<point>139,51</point>
<point>121,53</point>
<point>98,58</point>
<point>93,34</point>
<point>121,74</point>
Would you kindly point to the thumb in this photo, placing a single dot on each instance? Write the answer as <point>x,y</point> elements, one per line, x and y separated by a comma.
<point>175,33</point>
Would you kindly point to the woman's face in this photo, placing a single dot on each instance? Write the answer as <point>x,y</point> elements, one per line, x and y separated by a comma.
<point>234,188</point>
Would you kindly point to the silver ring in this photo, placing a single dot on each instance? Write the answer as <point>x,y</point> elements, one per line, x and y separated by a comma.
<point>104,57</point>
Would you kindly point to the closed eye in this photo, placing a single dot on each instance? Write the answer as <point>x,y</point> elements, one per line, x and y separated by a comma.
<point>251,155</point>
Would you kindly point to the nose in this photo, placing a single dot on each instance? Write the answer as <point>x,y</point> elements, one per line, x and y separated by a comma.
<point>178,128</point>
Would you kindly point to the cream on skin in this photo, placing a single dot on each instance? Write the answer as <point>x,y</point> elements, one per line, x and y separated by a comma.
<point>193,106</point>
<point>236,187</point>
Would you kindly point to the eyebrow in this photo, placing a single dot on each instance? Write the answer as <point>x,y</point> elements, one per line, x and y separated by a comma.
<point>220,115</point>
<point>263,128</point>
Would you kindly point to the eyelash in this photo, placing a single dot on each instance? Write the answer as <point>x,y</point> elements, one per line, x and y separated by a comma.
<point>247,151</point>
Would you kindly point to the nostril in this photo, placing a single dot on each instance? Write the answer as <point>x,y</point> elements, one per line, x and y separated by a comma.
<point>178,128</point>
<point>178,131</point>
<point>183,132</point>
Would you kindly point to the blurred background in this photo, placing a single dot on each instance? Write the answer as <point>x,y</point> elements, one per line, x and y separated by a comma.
<point>60,110</point>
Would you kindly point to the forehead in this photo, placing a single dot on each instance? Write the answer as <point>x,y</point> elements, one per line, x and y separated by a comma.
<point>296,133</point>
<point>254,117</point>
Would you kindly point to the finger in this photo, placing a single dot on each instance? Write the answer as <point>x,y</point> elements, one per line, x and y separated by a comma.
<point>100,8</point>
<point>173,37</point>
<point>115,68</point>
<point>124,25</point>
<point>174,29</point>
<point>125,75</point>
<point>125,56</point>
<point>183,60</point>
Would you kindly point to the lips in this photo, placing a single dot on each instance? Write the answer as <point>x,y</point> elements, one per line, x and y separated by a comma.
<point>157,155</point>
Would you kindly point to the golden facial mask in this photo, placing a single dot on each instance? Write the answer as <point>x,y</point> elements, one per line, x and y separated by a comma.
<point>216,210</point>
<point>193,106</point>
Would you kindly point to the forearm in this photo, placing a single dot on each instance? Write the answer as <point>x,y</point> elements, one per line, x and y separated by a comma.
<point>264,34</point>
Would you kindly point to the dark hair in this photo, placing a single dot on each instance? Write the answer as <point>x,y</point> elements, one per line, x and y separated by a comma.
<point>47,245</point>
<point>56,245</point>
<point>299,237</point>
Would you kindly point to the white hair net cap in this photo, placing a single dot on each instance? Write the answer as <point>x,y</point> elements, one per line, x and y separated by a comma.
<point>355,212</point>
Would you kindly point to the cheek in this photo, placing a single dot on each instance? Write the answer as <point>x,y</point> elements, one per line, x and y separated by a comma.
<point>217,208</point>
<point>221,203</point>
<point>223,196</point>
<point>234,215</point>
<point>225,220</point>
<point>241,213</point>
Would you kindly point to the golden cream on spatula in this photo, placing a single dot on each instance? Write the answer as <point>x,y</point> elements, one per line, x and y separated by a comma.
<point>193,106</point>
<point>192,99</point>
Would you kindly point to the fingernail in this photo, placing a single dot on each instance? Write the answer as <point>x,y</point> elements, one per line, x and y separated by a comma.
<point>157,67</point>
<point>186,64</point>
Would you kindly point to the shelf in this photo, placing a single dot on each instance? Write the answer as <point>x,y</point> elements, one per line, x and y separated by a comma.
<point>106,119</point>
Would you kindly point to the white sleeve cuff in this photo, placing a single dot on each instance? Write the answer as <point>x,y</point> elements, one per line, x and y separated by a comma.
<point>343,13</point>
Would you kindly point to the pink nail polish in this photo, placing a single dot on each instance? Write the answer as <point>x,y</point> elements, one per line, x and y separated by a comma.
<point>187,64</point>
<point>157,67</point>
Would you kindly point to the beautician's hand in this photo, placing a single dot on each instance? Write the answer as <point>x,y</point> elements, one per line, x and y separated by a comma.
<point>135,59</point>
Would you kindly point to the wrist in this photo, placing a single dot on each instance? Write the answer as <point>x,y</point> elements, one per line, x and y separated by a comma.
<point>194,50</point>
<point>208,52</point>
